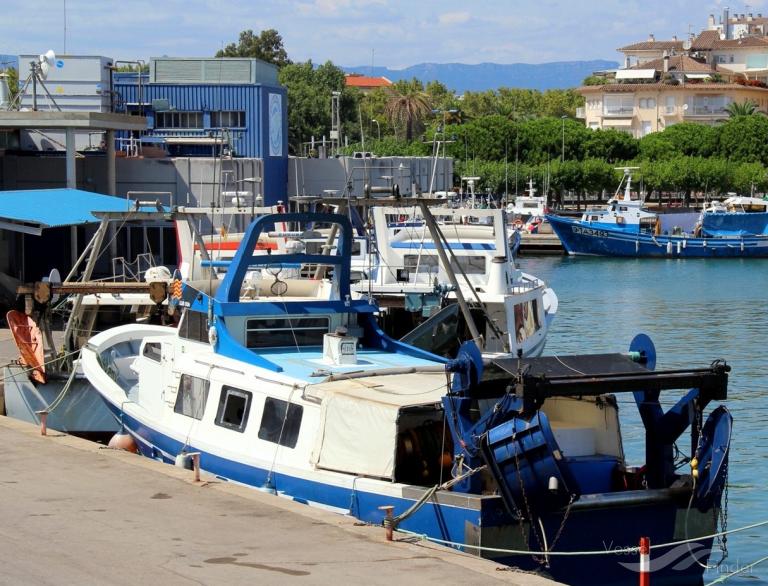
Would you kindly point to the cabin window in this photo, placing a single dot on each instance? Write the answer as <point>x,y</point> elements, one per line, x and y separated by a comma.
<point>286,331</point>
<point>280,422</point>
<point>234,406</point>
<point>428,263</point>
<point>194,326</point>
<point>593,219</point>
<point>152,351</point>
<point>526,320</point>
<point>192,395</point>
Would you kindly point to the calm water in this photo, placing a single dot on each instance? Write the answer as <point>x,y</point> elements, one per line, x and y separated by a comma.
<point>695,310</point>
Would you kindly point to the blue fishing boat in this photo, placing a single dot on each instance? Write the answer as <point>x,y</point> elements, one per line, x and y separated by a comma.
<point>521,460</point>
<point>625,228</point>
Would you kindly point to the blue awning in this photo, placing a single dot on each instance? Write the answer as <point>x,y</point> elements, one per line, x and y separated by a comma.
<point>31,210</point>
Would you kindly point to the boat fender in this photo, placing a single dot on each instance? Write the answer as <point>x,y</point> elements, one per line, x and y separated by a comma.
<point>183,460</point>
<point>122,440</point>
<point>213,336</point>
<point>669,248</point>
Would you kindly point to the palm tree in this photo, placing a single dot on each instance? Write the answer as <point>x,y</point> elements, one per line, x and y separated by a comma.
<point>406,107</point>
<point>745,108</point>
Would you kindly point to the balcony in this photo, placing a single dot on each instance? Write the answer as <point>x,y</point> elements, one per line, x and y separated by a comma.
<point>618,112</point>
<point>705,112</point>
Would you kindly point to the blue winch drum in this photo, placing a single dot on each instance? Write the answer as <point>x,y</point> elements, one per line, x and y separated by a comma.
<point>523,456</point>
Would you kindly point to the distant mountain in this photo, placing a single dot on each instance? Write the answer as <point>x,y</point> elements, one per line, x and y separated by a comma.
<point>486,76</point>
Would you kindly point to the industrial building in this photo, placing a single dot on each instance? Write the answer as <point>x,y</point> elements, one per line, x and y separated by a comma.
<point>208,107</point>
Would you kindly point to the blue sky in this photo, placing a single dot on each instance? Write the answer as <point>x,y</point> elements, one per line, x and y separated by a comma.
<point>399,32</point>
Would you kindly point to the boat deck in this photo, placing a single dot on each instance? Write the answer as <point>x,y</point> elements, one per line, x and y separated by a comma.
<point>99,516</point>
<point>308,364</point>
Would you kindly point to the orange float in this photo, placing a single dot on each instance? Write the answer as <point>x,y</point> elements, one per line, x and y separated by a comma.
<point>29,341</point>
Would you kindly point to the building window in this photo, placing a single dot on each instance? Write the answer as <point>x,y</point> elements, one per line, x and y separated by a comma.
<point>192,395</point>
<point>227,119</point>
<point>670,105</point>
<point>281,332</point>
<point>720,59</point>
<point>234,406</point>
<point>178,120</point>
<point>618,105</point>
<point>280,422</point>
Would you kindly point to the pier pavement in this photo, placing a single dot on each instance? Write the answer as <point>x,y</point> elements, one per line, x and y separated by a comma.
<point>74,512</point>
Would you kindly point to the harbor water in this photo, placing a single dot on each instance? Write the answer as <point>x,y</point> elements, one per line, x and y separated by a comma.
<point>695,310</point>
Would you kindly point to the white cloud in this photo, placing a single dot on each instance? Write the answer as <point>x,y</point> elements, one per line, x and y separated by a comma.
<point>451,18</point>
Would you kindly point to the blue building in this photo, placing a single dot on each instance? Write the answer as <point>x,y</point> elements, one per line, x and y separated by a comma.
<point>208,106</point>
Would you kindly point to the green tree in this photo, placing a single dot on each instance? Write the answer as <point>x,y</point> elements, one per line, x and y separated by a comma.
<point>743,139</point>
<point>13,81</point>
<point>267,46</point>
<point>610,145</point>
<point>407,107</point>
<point>745,108</point>
<point>309,102</point>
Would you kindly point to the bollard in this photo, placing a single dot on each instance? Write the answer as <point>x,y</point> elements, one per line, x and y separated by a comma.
<point>388,519</point>
<point>43,422</point>
<point>195,464</point>
<point>645,561</point>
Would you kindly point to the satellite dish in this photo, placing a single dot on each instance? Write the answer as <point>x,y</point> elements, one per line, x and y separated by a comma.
<point>53,277</point>
<point>685,106</point>
<point>47,60</point>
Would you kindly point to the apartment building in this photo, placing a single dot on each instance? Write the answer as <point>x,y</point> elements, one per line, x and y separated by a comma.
<point>670,81</point>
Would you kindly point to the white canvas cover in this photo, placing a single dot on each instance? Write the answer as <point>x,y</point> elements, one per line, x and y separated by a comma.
<point>358,420</point>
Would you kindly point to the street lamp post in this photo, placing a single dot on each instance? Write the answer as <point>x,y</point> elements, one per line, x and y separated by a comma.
<point>378,128</point>
<point>562,150</point>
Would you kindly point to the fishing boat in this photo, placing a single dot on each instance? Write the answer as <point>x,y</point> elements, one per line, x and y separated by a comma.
<point>515,309</point>
<point>625,228</point>
<point>527,206</point>
<point>509,458</point>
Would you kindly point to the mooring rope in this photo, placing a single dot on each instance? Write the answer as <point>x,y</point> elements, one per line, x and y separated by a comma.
<point>624,550</point>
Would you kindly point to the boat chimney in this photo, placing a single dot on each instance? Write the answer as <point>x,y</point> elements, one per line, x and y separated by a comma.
<point>498,277</point>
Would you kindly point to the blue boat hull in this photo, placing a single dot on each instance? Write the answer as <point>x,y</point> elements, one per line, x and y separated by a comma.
<point>581,238</point>
<point>594,523</point>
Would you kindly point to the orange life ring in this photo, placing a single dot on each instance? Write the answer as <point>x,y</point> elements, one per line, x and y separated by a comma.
<point>518,224</point>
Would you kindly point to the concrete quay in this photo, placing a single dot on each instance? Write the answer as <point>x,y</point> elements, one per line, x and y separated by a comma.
<point>74,512</point>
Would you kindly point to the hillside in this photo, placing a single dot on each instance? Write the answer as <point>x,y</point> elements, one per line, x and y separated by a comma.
<point>461,77</point>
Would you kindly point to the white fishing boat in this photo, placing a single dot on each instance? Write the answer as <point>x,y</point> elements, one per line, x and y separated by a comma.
<point>527,206</point>
<point>309,399</point>
<point>515,309</point>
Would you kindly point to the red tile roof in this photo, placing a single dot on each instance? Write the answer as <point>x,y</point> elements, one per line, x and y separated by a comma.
<point>676,63</point>
<point>705,40</point>
<point>362,81</point>
<point>743,43</point>
<point>654,46</point>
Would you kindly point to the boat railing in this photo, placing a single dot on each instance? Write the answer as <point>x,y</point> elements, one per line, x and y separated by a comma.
<point>126,271</point>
